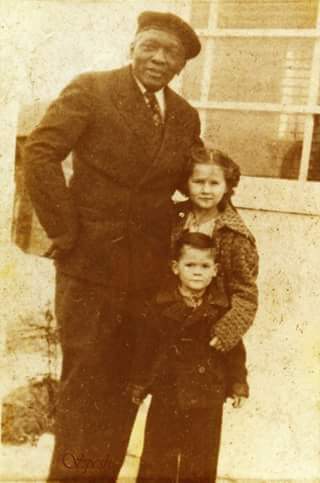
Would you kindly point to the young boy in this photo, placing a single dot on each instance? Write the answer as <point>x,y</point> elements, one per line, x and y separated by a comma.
<point>189,380</point>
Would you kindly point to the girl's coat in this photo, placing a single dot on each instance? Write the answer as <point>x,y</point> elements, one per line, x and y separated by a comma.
<point>237,260</point>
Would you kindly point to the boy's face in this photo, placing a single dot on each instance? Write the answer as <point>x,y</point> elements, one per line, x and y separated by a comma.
<point>206,186</point>
<point>195,268</point>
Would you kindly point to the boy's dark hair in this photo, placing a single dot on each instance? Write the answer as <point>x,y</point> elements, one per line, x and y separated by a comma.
<point>194,240</point>
<point>203,155</point>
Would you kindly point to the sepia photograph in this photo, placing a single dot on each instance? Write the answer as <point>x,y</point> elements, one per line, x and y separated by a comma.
<point>160,241</point>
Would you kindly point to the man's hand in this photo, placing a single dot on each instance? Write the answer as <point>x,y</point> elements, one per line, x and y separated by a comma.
<point>216,343</point>
<point>60,246</point>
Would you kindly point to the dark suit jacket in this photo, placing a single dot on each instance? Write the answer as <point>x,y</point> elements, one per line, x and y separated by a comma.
<point>173,359</point>
<point>118,203</point>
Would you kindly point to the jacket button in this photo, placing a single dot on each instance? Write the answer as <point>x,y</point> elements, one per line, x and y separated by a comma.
<point>201,370</point>
<point>119,319</point>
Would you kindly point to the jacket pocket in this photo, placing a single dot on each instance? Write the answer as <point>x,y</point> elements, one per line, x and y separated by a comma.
<point>100,253</point>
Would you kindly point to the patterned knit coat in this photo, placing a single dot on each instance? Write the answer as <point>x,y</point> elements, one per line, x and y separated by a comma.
<point>237,261</point>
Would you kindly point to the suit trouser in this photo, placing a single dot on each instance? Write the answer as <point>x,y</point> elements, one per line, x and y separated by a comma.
<point>94,415</point>
<point>180,445</point>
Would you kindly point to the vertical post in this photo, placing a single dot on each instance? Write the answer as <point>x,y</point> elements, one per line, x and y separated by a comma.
<point>183,9</point>
<point>312,100</point>
<point>208,63</point>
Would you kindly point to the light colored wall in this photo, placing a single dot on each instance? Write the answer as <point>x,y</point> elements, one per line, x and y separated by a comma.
<point>43,45</point>
<point>277,434</point>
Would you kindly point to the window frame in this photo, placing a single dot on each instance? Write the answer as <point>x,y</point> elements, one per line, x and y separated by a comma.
<point>272,194</point>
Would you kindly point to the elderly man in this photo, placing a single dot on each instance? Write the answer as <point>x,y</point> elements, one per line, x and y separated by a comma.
<point>130,135</point>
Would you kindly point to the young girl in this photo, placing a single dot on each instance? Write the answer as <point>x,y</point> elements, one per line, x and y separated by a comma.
<point>209,182</point>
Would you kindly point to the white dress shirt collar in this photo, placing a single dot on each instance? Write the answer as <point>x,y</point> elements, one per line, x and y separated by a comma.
<point>159,96</point>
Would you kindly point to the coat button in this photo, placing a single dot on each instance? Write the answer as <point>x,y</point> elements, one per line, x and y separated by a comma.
<point>201,370</point>
<point>119,319</point>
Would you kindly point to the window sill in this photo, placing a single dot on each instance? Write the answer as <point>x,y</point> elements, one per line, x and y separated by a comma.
<point>287,196</point>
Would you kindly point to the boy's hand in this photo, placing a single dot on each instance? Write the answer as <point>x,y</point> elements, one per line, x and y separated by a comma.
<point>216,343</point>
<point>238,401</point>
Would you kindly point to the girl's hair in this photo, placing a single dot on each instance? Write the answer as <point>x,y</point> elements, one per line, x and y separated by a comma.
<point>194,240</point>
<point>207,155</point>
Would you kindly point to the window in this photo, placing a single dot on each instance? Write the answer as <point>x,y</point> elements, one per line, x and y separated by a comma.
<point>256,86</point>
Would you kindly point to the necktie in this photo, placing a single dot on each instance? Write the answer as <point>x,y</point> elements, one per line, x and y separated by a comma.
<point>153,105</point>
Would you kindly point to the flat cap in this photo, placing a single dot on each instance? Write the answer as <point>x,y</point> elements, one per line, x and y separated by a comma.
<point>173,23</point>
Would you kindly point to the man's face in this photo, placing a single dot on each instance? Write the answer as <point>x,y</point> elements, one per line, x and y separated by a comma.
<point>157,56</point>
<point>195,269</point>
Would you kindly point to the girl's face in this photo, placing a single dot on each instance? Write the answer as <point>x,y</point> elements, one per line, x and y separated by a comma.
<point>206,186</point>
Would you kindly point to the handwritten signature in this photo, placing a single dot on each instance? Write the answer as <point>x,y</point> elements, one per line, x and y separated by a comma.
<point>84,464</point>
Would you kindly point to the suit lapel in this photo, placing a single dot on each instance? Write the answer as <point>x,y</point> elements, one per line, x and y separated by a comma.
<point>134,111</point>
<point>138,119</point>
<point>172,127</point>
<point>172,114</point>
